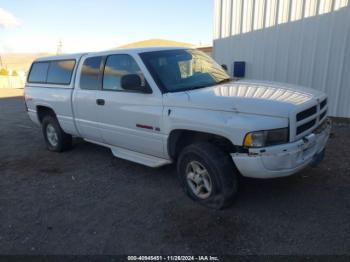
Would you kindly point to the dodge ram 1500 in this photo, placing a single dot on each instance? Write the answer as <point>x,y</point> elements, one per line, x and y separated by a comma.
<point>156,106</point>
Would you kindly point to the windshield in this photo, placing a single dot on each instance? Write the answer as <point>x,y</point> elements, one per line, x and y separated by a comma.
<point>180,70</point>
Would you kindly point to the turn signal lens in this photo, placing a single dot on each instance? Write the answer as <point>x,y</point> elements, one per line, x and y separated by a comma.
<point>248,140</point>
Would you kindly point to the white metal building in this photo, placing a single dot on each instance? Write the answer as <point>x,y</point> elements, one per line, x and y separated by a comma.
<point>305,42</point>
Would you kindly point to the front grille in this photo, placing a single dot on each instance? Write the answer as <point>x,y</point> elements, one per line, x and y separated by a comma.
<point>306,113</point>
<point>311,117</point>
<point>306,126</point>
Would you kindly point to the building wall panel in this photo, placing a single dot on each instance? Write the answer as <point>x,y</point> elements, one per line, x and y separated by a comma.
<point>313,50</point>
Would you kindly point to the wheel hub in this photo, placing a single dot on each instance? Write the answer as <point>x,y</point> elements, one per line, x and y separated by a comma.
<point>51,134</point>
<point>198,180</point>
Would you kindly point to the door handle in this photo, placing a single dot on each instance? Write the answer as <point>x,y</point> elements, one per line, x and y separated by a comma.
<point>100,102</point>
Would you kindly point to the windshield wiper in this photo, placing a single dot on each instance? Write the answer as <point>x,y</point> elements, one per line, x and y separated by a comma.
<point>224,81</point>
<point>196,87</point>
<point>217,83</point>
<point>207,85</point>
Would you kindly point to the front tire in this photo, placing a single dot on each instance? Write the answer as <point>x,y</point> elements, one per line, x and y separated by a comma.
<point>208,175</point>
<point>56,139</point>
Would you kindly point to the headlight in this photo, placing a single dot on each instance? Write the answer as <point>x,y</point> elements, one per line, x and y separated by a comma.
<point>266,138</point>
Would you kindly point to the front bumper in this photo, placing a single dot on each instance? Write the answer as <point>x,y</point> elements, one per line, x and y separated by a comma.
<point>283,160</point>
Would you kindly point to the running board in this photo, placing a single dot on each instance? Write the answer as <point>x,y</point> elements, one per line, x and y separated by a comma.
<point>140,158</point>
<point>133,156</point>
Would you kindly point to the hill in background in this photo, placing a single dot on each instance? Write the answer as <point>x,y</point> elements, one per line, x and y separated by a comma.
<point>156,42</point>
<point>20,62</point>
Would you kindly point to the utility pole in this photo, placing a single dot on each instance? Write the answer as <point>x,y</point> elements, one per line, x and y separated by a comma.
<point>59,47</point>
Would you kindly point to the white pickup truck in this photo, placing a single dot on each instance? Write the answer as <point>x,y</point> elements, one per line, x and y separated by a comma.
<point>156,106</point>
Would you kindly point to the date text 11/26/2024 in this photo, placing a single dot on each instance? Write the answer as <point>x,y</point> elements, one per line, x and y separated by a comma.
<point>173,258</point>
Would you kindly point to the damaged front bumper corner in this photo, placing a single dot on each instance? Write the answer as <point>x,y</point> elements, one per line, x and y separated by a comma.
<point>283,160</point>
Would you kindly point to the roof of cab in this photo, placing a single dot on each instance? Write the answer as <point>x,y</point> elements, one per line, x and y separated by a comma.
<point>137,50</point>
<point>143,49</point>
<point>59,57</point>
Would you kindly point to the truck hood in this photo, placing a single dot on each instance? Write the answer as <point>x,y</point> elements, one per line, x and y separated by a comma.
<point>247,96</point>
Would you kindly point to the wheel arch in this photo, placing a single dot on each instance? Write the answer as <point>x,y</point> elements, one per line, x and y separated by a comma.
<point>180,138</point>
<point>43,111</point>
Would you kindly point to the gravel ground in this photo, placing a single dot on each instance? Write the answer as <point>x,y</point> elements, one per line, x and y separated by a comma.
<point>86,201</point>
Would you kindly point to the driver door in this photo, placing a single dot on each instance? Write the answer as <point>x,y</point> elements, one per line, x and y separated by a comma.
<point>129,119</point>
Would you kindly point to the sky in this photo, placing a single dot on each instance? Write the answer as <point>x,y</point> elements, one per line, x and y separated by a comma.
<point>28,26</point>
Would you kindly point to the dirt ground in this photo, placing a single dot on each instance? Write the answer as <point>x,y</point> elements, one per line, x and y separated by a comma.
<point>86,201</point>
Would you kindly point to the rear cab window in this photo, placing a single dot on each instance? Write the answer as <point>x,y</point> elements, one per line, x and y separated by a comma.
<point>58,72</point>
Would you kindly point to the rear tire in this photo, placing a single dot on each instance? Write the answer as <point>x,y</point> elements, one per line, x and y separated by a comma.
<point>208,175</point>
<point>56,139</point>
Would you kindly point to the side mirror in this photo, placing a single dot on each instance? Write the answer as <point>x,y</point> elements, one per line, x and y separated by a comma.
<point>132,82</point>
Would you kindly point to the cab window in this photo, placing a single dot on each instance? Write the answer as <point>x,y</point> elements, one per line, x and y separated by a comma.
<point>116,67</point>
<point>89,78</point>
